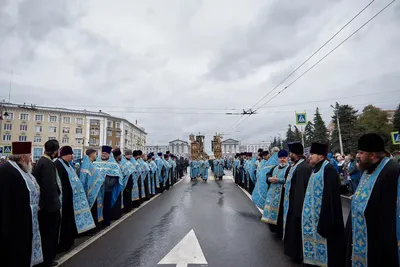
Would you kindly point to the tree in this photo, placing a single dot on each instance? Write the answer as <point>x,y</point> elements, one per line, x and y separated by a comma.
<point>396,119</point>
<point>290,137</point>
<point>273,144</point>
<point>297,133</point>
<point>375,120</point>
<point>349,127</point>
<point>308,134</point>
<point>279,143</point>
<point>320,133</point>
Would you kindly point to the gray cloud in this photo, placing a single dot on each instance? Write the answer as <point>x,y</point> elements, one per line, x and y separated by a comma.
<point>278,31</point>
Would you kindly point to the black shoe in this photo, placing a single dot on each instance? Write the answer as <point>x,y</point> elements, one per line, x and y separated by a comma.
<point>54,263</point>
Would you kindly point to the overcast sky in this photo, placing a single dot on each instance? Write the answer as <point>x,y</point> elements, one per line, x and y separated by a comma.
<point>176,65</point>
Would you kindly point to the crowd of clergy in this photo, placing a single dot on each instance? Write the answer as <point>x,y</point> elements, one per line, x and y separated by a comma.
<point>45,208</point>
<point>301,202</point>
<point>200,168</point>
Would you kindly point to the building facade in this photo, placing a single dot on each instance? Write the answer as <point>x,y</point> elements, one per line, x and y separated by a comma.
<point>230,147</point>
<point>156,148</point>
<point>177,147</point>
<point>79,129</point>
<point>253,148</point>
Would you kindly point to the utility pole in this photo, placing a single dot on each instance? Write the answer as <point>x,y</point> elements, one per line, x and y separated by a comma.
<point>302,135</point>
<point>340,134</point>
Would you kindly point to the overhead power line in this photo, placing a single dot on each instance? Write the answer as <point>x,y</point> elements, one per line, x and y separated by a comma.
<point>237,122</point>
<point>324,57</point>
<point>313,54</point>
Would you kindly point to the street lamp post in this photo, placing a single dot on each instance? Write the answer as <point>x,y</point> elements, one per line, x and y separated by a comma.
<point>280,138</point>
<point>340,135</point>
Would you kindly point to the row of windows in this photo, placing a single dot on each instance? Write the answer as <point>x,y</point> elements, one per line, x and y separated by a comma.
<point>39,128</point>
<point>40,117</point>
<point>38,139</point>
<point>110,124</point>
<point>117,134</point>
<point>96,142</point>
<point>38,152</point>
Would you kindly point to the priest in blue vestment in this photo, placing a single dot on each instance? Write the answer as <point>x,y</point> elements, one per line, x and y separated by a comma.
<point>167,174</point>
<point>156,182</point>
<point>113,182</point>
<point>251,170</point>
<point>172,162</point>
<point>160,165</point>
<point>295,190</point>
<point>219,168</point>
<point>194,169</point>
<point>93,183</point>
<point>206,167</point>
<point>322,217</point>
<point>372,229</point>
<point>136,200</point>
<point>273,209</point>
<point>151,183</point>
<point>76,217</point>
<point>127,170</point>
<point>127,167</point>
<point>145,176</point>
<point>260,190</point>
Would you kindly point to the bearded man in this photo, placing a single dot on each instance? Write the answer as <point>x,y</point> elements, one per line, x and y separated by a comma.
<point>20,240</point>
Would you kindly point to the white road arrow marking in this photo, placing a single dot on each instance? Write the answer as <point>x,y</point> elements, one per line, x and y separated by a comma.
<point>187,251</point>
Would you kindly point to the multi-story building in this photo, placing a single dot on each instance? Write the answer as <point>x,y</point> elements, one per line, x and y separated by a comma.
<point>177,147</point>
<point>156,148</point>
<point>79,129</point>
<point>230,147</point>
<point>254,147</point>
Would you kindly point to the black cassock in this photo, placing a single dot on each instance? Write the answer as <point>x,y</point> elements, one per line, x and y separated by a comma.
<point>128,195</point>
<point>331,225</point>
<point>278,229</point>
<point>49,214</point>
<point>293,245</point>
<point>15,219</point>
<point>380,215</point>
<point>68,231</point>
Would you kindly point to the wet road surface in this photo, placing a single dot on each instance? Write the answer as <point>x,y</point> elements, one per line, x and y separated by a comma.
<point>225,221</point>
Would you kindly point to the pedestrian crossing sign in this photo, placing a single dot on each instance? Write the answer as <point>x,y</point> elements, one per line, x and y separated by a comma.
<point>301,118</point>
<point>1,150</point>
<point>7,150</point>
<point>396,138</point>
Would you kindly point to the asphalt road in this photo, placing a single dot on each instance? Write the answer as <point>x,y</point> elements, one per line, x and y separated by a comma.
<point>224,219</point>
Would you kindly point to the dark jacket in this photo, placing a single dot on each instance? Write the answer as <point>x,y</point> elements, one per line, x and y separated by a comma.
<point>46,175</point>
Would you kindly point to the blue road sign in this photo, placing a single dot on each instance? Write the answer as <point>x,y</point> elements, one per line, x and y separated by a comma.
<point>301,118</point>
<point>396,138</point>
<point>7,150</point>
<point>1,150</point>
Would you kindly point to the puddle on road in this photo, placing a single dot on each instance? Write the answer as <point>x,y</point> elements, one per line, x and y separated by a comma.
<point>249,215</point>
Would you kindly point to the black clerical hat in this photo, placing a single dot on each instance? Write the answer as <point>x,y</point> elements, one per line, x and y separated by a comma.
<point>66,150</point>
<point>371,142</point>
<point>117,152</point>
<point>319,148</point>
<point>296,148</point>
<point>106,149</point>
<point>283,154</point>
<point>265,153</point>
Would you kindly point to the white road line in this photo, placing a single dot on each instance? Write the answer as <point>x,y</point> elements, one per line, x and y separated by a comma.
<point>85,244</point>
